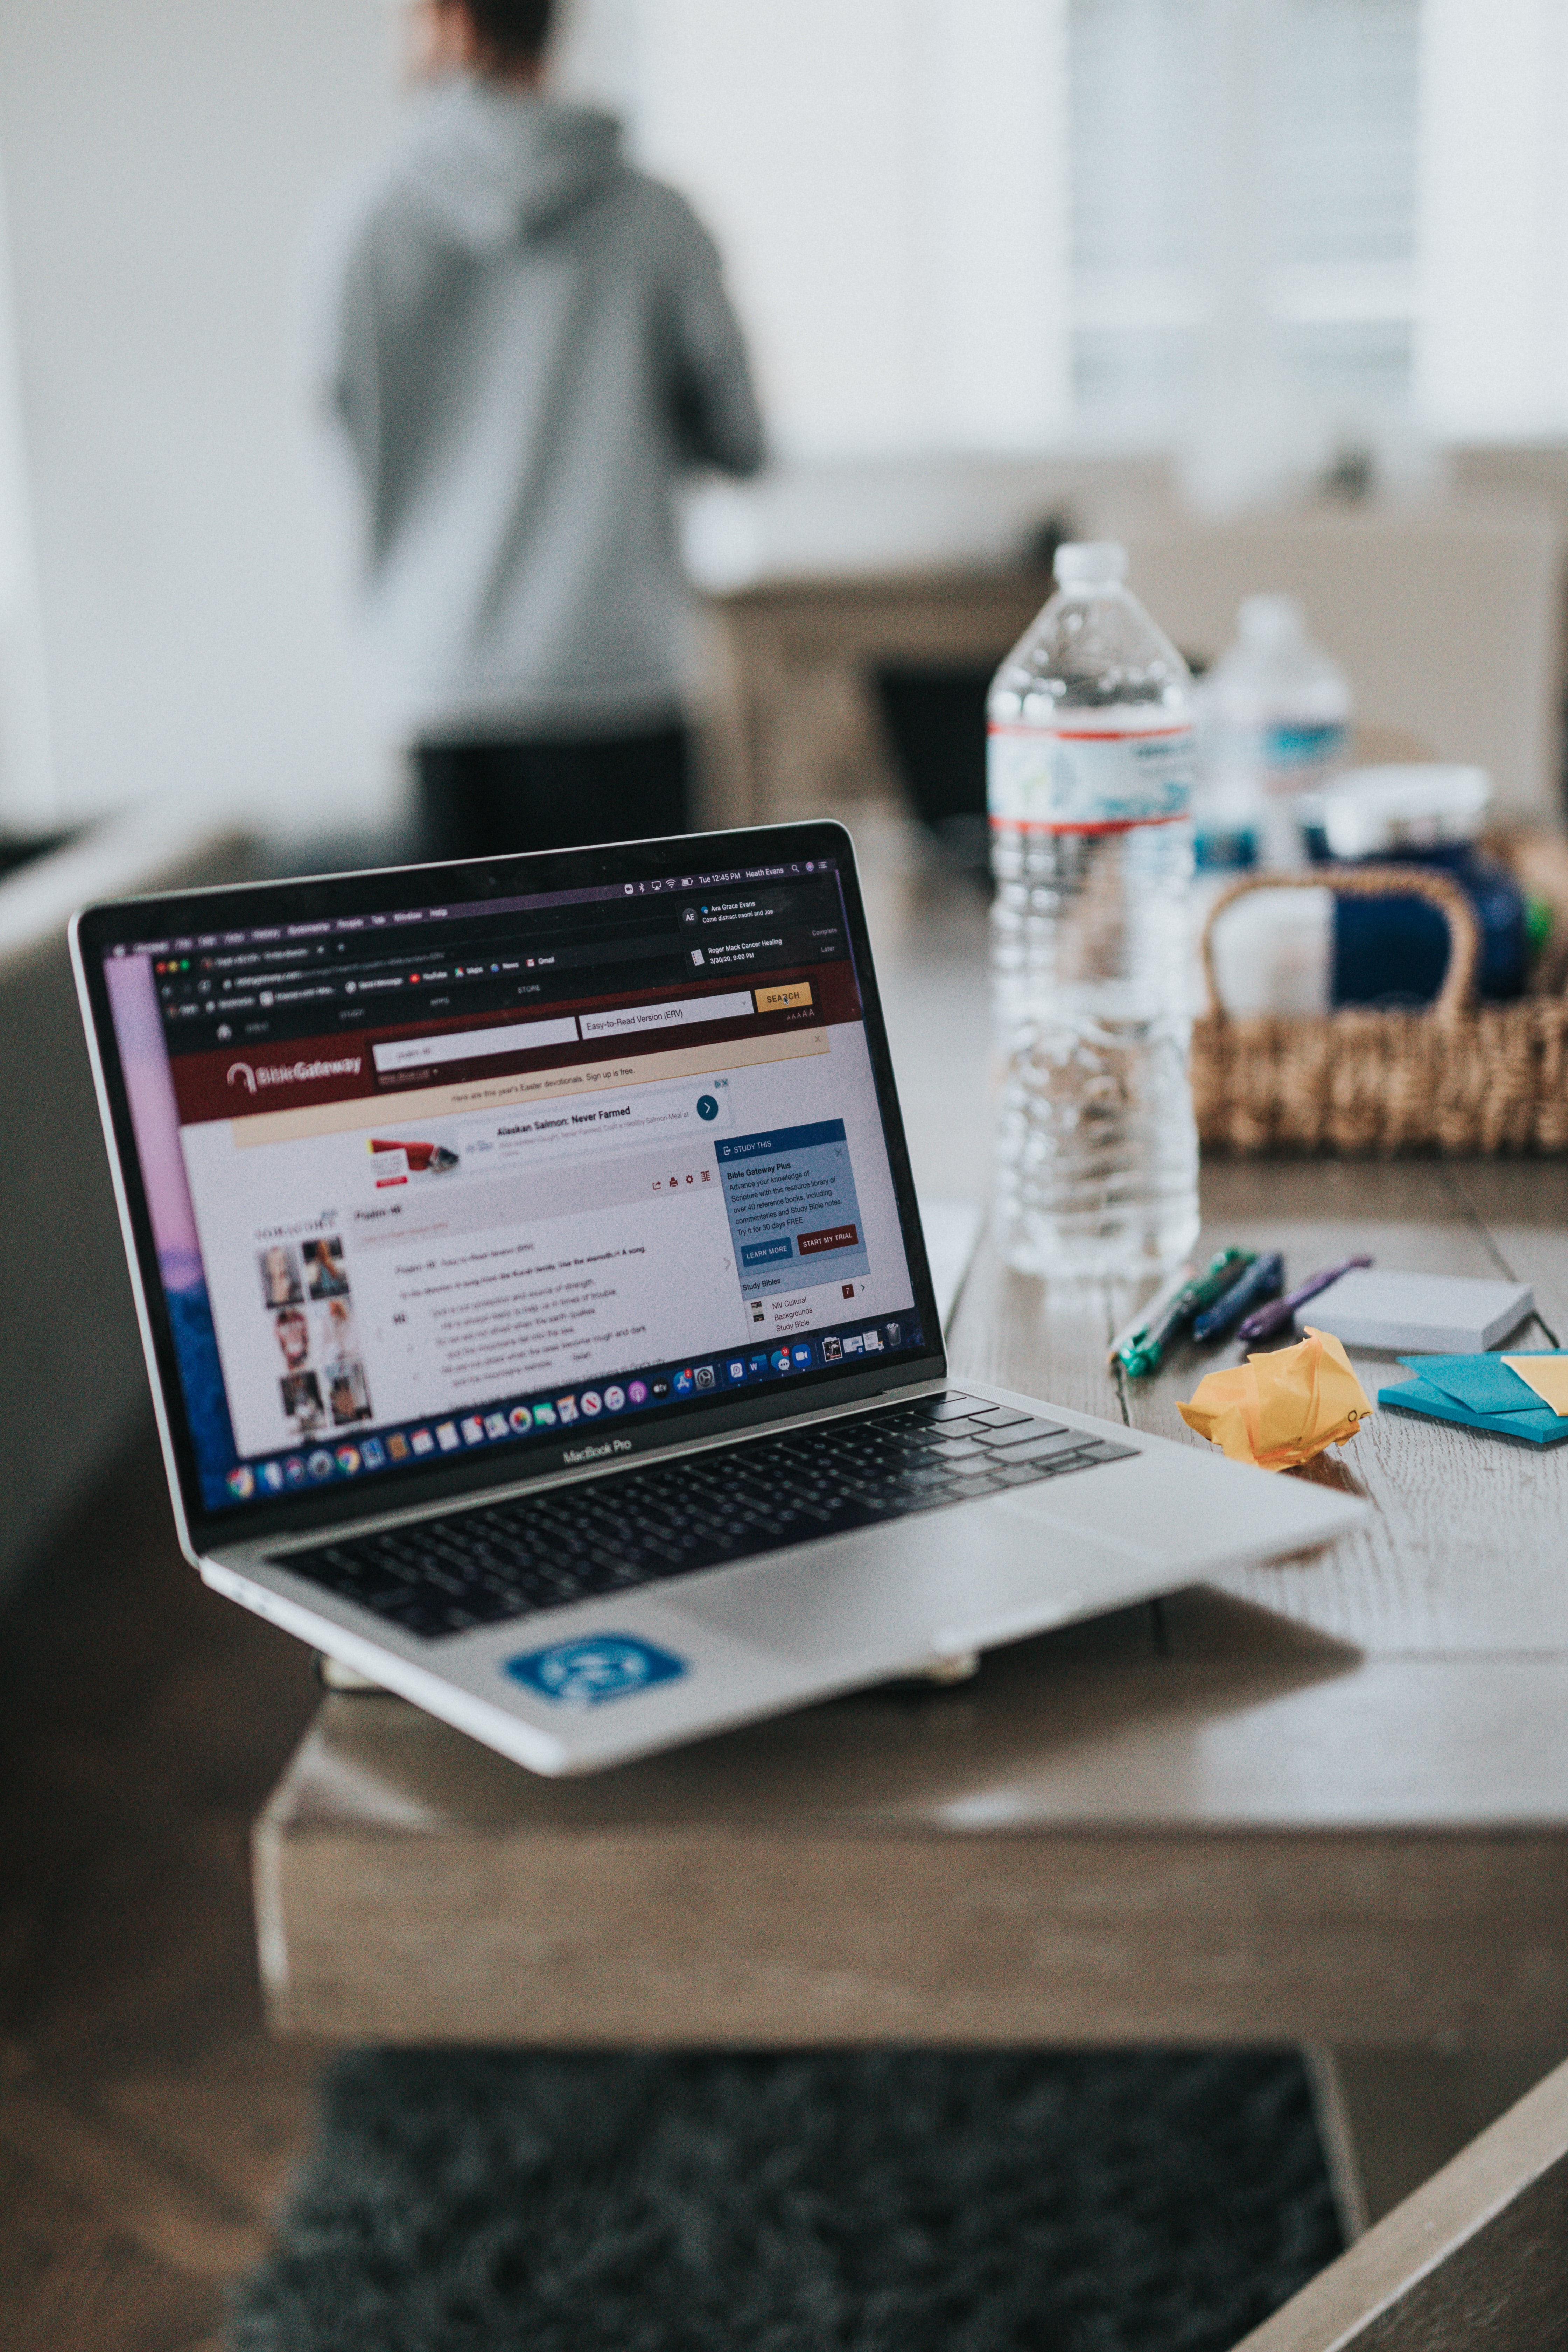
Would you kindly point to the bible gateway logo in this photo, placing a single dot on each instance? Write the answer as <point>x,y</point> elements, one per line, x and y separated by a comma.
<point>290,1073</point>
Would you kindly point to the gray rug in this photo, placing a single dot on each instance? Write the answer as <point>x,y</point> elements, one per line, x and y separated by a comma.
<point>498,2202</point>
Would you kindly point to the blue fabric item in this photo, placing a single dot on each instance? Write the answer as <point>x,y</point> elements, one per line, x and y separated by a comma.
<point>1392,950</point>
<point>1538,1426</point>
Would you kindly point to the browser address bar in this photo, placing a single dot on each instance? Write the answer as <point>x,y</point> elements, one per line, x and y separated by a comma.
<point>527,1036</point>
<point>473,1044</point>
<point>673,1013</point>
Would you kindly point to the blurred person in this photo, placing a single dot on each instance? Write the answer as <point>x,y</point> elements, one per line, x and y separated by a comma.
<point>279,1277</point>
<point>293,1335</point>
<point>526,341</point>
<point>324,1273</point>
<point>340,1328</point>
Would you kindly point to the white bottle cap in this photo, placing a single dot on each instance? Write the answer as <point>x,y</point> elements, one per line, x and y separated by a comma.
<point>1271,620</point>
<point>1091,563</point>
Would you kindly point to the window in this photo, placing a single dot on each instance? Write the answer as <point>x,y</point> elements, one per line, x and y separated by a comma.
<point>994,224</point>
<point>1244,226</point>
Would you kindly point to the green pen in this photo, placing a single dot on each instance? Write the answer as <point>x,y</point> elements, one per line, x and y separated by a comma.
<point>1146,1347</point>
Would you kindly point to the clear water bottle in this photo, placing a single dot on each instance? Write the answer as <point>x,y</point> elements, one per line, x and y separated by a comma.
<point>1274,724</point>
<point>1091,774</point>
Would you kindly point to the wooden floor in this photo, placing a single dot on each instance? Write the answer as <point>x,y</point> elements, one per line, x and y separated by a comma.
<point>146,2121</point>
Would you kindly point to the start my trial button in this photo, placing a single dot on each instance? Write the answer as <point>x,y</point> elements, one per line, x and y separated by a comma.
<point>783,998</point>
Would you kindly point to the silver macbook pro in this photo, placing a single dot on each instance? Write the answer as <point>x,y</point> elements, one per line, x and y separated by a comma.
<point>537,1311</point>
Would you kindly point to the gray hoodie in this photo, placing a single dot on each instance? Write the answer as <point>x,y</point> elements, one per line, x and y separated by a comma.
<point>525,341</point>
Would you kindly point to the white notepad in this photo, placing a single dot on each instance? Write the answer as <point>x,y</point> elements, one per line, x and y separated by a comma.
<point>1434,1314</point>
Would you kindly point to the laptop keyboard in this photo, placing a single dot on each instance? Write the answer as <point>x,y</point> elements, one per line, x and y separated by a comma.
<point>488,1562</point>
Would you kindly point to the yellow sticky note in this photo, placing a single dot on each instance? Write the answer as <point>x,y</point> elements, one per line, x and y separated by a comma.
<point>1280,1409</point>
<point>1547,1375</point>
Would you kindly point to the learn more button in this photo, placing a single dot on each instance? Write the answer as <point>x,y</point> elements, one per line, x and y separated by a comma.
<point>783,998</point>
<point>768,1253</point>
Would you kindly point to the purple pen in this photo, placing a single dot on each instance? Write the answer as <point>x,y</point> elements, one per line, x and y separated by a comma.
<point>1279,1311</point>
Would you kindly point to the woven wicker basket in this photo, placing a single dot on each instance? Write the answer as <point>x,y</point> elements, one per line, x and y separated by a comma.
<point>1455,1077</point>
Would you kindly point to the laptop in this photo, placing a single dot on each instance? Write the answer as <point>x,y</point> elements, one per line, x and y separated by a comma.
<point>536,1308</point>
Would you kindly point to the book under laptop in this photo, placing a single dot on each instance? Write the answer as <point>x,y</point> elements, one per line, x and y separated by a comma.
<point>536,1308</point>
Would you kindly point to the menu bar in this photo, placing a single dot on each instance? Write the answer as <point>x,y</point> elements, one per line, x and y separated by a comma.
<point>347,926</point>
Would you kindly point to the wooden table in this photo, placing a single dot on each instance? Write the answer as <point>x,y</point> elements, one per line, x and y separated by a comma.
<point>1323,1801</point>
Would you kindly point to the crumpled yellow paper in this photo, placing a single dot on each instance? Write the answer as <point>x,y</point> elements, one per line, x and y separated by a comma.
<point>1280,1409</point>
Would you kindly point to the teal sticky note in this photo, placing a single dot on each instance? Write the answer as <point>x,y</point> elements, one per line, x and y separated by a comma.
<point>1415,1396</point>
<point>1484,1383</point>
<point>1538,1425</point>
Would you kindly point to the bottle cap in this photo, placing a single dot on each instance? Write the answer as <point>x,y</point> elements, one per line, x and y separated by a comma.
<point>1271,620</point>
<point>1091,563</point>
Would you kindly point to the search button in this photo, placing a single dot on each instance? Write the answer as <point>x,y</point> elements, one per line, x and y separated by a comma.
<point>783,998</point>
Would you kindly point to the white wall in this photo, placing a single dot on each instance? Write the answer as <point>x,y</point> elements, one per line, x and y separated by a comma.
<point>1492,347</point>
<point>26,758</point>
<point>887,179</point>
<point>162,165</point>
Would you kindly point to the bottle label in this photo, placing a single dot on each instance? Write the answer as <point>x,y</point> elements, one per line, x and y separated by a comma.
<point>1296,755</point>
<point>1061,780</point>
<point>1286,756</point>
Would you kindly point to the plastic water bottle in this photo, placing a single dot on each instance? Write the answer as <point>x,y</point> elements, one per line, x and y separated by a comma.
<point>1274,723</point>
<point>1091,760</point>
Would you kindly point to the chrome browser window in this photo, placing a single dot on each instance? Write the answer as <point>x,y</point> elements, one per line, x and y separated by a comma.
<point>452,1177</point>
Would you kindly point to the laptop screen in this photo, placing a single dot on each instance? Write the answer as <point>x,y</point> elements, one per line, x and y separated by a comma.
<point>510,1173</point>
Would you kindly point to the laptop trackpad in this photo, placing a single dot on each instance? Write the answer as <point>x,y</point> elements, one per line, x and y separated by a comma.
<point>903,1595</point>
